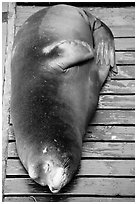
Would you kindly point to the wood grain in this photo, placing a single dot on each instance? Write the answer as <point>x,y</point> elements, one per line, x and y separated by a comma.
<point>125,72</point>
<point>95,150</point>
<point>88,168</point>
<point>116,102</point>
<point>114,117</point>
<point>6,86</point>
<point>125,44</point>
<point>119,87</point>
<point>78,186</point>
<point>110,133</point>
<point>125,58</point>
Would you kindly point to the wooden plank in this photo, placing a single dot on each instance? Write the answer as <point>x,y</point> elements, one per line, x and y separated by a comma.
<point>125,58</point>
<point>5,6</point>
<point>125,72</point>
<point>78,186</point>
<point>116,102</point>
<point>114,117</point>
<point>95,150</point>
<point>67,199</point>
<point>108,149</point>
<point>125,44</point>
<point>6,89</point>
<point>123,31</point>
<point>119,87</point>
<point>117,16</point>
<point>110,133</point>
<point>104,133</point>
<point>4,45</point>
<point>88,168</point>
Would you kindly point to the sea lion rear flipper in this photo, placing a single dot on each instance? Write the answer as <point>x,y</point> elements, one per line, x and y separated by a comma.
<point>104,47</point>
<point>68,53</point>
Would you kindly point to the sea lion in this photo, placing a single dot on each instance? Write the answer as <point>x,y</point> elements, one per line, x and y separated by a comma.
<point>61,57</point>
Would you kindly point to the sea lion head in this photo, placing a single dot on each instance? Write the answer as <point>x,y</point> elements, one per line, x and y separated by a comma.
<point>54,161</point>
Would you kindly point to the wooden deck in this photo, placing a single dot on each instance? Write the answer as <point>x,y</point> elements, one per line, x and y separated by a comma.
<point>107,170</point>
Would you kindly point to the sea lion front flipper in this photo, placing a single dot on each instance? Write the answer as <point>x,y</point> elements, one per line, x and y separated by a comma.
<point>68,53</point>
<point>104,47</point>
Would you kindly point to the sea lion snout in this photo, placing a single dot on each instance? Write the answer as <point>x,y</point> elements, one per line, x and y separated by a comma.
<point>48,174</point>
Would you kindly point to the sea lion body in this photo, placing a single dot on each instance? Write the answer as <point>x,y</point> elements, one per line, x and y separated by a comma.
<point>55,87</point>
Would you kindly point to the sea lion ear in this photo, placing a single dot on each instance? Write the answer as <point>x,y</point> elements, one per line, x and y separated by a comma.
<point>68,53</point>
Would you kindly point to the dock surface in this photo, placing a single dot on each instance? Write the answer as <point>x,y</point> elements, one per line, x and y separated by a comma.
<point>107,170</point>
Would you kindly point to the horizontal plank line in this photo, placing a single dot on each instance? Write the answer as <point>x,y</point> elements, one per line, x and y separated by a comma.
<point>131,125</point>
<point>119,125</point>
<point>106,124</point>
<point>108,158</point>
<point>76,176</point>
<point>122,125</point>
<point>85,158</point>
<point>80,4</point>
<point>93,140</point>
<point>122,64</point>
<point>126,65</point>
<point>93,158</point>
<point>125,109</point>
<point>124,37</point>
<point>124,50</point>
<point>118,94</point>
<point>70,195</point>
<point>122,79</point>
<point>11,140</point>
<point>111,141</point>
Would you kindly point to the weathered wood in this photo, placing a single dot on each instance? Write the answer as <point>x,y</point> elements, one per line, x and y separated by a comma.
<point>125,44</point>
<point>114,117</point>
<point>4,46</point>
<point>88,167</point>
<point>116,102</point>
<point>108,149</point>
<point>104,133</point>
<point>125,72</point>
<point>120,17</point>
<point>78,186</point>
<point>125,58</point>
<point>6,88</point>
<point>110,133</point>
<point>67,199</point>
<point>5,6</point>
<point>95,150</point>
<point>119,87</point>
